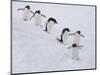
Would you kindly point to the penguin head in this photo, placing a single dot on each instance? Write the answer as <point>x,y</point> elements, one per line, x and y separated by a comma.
<point>28,7</point>
<point>78,32</point>
<point>37,12</point>
<point>53,20</point>
<point>65,29</point>
<point>74,45</point>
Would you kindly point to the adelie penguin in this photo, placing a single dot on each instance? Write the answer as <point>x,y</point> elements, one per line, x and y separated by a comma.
<point>75,50</point>
<point>64,35</point>
<point>38,17</point>
<point>49,24</point>
<point>77,36</point>
<point>26,12</point>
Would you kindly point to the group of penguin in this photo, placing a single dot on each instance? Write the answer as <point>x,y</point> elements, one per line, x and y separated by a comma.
<point>48,28</point>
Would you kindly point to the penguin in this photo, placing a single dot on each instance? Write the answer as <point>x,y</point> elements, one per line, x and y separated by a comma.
<point>64,35</point>
<point>77,36</point>
<point>37,17</point>
<point>26,12</point>
<point>49,24</point>
<point>75,50</point>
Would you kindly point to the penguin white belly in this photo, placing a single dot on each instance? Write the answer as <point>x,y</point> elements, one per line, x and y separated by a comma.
<point>65,36</point>
<point>75,53</point>
<point>26,14</point>
<point>50,26</point>
<point>37,19</point>
<point>77,39</point>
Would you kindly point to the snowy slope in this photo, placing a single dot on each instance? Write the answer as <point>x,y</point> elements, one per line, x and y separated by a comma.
<point>36,51</point>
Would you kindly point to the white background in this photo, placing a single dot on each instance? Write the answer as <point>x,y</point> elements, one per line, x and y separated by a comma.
<point>5,36</point>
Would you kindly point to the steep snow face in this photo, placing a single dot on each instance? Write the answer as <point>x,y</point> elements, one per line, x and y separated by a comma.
<point>34,50</point>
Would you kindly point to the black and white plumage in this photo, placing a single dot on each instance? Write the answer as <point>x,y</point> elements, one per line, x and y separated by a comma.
<point>64,35</point>
<point>75,50</point>
<point>77,36</point>
<point>49,24</point>
<point>26,12</point>
<point>37,17</point>
<point>28,7</point>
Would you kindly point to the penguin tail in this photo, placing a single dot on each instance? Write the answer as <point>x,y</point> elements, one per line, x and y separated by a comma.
<point>59,40</point>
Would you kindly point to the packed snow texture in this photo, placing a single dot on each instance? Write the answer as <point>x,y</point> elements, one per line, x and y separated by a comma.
<point>34,50</point>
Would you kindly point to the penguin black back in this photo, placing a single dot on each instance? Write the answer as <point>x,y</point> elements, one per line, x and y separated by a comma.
<point>28,7</point>
<point>74,45</point>
<point>38,11</point>
<point>52,19</point>
<point>65,29</point>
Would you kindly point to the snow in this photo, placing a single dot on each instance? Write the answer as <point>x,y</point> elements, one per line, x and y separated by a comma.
<point>34,50</point>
